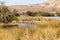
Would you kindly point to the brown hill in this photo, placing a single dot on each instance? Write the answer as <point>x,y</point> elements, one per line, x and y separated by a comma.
<point>49,6</point>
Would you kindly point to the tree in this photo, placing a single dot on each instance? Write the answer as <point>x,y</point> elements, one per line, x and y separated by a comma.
<point>6,15</point>
<point>15,12</point>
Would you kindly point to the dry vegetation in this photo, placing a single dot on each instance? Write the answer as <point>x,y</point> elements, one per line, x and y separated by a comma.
<point>46,29</point>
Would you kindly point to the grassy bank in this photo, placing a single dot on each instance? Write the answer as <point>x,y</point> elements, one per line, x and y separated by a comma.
<point>46,29</point>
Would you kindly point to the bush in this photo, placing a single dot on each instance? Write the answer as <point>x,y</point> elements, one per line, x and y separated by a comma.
<point>6,15</point>
<point>15,12</point>
<point>46,14</point>
<point>29,13</point>
<point>58,14</point>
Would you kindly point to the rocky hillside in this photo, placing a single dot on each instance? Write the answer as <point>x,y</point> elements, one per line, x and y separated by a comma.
<point>49,6</point>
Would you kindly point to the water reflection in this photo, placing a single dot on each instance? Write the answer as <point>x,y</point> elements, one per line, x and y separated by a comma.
<point>53,18</point>
<point>26,25</point>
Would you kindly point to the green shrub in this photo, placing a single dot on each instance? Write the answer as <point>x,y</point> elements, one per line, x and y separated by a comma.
<point>58,14</point>
<point>15,12</point>
<point>6,15</point>
<point>47,14</point>
<point>29,13</point>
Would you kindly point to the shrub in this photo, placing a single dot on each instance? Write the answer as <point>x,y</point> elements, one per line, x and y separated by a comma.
<point>58,14</point>
<point>47,14</point>
<point>15,12</point>
<point>29,13</point>
<point>6,15</point>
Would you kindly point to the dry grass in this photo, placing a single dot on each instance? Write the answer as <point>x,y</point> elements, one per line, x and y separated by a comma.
<point>45,30</point>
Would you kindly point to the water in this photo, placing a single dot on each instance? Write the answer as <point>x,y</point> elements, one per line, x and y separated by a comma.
<point>34,25</point>
<point>26,25</point>
<point>53,18</point>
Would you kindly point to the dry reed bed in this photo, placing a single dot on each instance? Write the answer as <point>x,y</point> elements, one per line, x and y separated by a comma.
<point>45,30</point>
